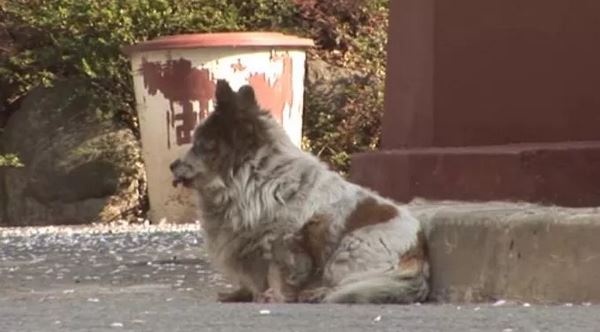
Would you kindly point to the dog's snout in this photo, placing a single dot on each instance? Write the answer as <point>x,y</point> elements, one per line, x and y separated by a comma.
<point>174,165</point>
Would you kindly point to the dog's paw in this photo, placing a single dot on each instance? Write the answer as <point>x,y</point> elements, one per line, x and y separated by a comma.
<point>240,295</point>
<point>270,296</point>
<point>313,295</point>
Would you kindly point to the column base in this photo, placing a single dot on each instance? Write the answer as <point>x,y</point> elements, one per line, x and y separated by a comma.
<point>566,173</point>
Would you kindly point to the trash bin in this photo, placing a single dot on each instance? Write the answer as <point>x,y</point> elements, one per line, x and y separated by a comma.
<point>174,79</point>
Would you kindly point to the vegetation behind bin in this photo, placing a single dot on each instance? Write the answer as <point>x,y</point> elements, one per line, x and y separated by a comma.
<point>50,40</point>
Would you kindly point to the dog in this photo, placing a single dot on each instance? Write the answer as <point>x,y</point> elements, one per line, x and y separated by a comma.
<point>284,227</point>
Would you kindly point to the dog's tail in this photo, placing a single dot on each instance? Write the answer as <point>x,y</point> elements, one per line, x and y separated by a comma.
<point>403,285</point>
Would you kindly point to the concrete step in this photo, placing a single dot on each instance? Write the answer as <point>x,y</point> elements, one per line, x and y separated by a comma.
<point>513,251</point>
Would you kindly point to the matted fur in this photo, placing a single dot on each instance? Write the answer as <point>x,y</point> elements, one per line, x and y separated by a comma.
<point>256,188</point>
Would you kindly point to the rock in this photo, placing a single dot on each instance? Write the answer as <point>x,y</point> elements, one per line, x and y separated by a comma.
<point>79,168</point>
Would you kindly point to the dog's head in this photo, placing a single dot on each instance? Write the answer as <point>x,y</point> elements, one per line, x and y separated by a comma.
<point>224,141</point>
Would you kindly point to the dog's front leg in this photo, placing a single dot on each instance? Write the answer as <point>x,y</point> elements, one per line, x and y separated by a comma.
<point>271,295</point>
<point>242,294</point>
<point>313,295</point>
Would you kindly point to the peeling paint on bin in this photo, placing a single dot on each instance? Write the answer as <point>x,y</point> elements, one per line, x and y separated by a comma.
<point>174,81</point>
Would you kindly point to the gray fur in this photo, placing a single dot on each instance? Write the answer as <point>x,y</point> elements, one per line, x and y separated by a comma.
<point>256,187</point>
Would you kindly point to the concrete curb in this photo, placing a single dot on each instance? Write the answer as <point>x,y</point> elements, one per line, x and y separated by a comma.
<point>490,251</point>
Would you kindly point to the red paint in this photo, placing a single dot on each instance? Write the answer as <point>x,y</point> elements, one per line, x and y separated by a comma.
<point>223,39</point>
<point>276,95</point>
<point>168,128</point>
<point>237,67</point>
<point>183,84</point>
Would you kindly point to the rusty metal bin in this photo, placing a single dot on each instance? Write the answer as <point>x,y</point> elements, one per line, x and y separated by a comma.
<point>174,80</point>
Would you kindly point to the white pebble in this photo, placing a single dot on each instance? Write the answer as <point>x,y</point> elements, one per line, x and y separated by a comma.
<point>265,312</point>
<point>377,319</point>
<point>116,324</point>
<point>499,303</point>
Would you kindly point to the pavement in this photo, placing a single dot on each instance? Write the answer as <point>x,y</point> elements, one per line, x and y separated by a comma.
<point>157,278</point>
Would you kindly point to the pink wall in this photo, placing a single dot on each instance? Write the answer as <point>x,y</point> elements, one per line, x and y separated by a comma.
<point>486,72</point>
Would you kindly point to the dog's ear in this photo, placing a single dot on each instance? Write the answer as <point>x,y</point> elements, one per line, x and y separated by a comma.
<point>247,97</point>
<point>224,94</point>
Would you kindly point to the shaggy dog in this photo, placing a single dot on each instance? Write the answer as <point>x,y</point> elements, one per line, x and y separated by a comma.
<point>284,227</point>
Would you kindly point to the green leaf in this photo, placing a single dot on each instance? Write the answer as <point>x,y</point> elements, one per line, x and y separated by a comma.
<point>87,69</point>
<point>10,160</point>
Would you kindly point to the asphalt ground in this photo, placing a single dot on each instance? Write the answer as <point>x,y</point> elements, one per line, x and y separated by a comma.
<point>158,278</point>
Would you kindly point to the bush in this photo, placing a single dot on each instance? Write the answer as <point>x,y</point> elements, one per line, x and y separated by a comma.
<point>75,38</point>
<point>350,34</point>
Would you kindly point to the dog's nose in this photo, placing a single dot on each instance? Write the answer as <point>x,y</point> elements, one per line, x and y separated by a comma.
<point>174,164</point>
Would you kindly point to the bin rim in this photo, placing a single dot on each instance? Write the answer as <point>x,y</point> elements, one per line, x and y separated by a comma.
<point>220,39</point>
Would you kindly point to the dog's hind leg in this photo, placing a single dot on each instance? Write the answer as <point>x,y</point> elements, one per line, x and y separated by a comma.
<point>371,267</point>
<point>388,287</point>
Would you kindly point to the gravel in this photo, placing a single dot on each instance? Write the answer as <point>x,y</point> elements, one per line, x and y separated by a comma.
<point>158,278</point>
<point>67,257</point>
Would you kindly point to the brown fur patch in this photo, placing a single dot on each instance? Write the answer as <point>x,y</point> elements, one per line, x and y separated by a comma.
<point>413,260</point>
<point>313,238</point>
<point>370,212</point>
